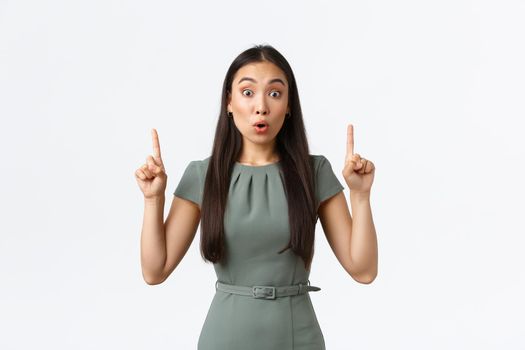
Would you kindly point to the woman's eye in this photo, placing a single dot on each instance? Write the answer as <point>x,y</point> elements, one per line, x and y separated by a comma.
<point>248,92</point>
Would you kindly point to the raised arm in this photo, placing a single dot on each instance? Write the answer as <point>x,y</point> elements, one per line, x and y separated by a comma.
<point>353,240</point>
<point>163,245</point>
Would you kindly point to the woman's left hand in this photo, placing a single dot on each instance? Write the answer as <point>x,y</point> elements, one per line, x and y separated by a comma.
<point>358,171</point>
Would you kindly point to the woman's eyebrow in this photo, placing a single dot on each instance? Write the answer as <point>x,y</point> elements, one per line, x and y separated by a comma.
<point>275,80</point>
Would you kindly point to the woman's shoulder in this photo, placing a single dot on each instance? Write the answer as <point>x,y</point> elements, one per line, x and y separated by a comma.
<point>200,165</point>
<point>316,157</point>
<point>318,160</point>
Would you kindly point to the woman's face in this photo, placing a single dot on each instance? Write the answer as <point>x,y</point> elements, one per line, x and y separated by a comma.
<point>259,92</point>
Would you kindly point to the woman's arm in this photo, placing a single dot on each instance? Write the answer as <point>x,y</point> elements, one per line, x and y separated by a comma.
<point>164,245</point>
<point>153,240</point>
<point>353,242</point>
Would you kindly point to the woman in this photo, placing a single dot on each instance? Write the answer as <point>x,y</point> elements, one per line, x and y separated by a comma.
<point>258,198</point>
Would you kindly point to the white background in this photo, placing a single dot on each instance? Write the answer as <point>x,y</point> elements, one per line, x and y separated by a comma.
<point>434,89</point>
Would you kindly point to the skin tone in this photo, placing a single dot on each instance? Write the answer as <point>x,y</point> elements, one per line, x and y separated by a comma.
<point>151,176</point>
<point>353,240</point>
<point>358,171</point>
<point>259,91</point>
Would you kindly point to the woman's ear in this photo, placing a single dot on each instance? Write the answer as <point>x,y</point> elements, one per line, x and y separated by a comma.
<point>228,100</point>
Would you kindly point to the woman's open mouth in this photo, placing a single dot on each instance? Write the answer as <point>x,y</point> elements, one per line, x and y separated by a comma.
<point>261,127</point>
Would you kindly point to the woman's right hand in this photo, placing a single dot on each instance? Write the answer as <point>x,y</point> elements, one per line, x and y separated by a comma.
<point>151,176</point>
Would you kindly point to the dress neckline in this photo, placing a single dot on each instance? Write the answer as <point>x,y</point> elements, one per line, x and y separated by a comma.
<point>258,166</point>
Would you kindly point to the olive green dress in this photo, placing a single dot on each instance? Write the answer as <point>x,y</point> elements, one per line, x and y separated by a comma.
<point>256,228</point>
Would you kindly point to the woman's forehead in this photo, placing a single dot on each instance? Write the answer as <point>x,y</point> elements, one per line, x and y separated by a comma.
<point>260,72</point>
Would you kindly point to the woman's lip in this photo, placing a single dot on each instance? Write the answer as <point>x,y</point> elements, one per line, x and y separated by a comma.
<point>261,130</point>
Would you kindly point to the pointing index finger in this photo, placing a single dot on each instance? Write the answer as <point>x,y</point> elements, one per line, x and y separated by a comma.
<point>350,140</point>
<point>156,144</point>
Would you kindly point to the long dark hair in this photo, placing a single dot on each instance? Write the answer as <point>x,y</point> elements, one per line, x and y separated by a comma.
<point>295,162</point>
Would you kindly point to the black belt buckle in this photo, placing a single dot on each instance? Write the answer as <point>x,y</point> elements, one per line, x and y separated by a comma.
<point>263,292</point>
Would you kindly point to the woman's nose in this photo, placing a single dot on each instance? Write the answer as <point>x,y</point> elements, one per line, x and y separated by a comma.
<point>261,106</point>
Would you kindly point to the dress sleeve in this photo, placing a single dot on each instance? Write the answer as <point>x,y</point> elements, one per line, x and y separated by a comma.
<point>327,183</point>
<point>189,186</point>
